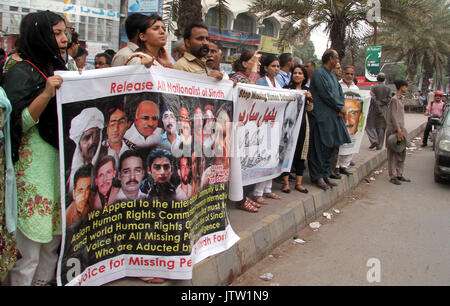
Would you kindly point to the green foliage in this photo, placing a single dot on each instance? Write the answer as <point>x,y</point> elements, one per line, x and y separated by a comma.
<point>306,51</point>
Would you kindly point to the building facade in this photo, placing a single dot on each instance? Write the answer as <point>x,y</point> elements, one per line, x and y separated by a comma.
<point>96,21</point>
<point>241,30</point>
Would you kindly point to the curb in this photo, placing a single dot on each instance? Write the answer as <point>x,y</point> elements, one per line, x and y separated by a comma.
<point>261,238</point>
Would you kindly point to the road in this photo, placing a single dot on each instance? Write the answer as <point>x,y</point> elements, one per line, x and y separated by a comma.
<point>384,235</point>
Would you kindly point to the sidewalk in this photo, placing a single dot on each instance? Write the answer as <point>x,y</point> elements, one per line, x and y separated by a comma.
<point>281,219</point>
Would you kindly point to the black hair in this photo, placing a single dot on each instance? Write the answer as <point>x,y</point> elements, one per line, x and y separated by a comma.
<point>380,78</point>
<point>107,57</point>
<point>188,30</point>
<point>327,55</point>
<point>83,171</point>
<point>146,23</point>
<point>400,83</point>
<point>159,153</point>
<point>130,153</point>
<point>267,60</point>
<point>73,39</point>
<point>292,84</point>
<point>81,51</point>
<point>110,52</point>
<point>246,55</point>
<point>112,107</point>
<point>104,160</point>
<point>132,24</point>
<point>285,58</point>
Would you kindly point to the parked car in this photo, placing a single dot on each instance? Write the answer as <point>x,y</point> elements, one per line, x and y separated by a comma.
<point>442,149</point>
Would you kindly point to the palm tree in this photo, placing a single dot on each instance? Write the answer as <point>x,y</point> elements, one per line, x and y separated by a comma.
<point>186,12</point>
<point>424,44</point>
<point>341,18</point>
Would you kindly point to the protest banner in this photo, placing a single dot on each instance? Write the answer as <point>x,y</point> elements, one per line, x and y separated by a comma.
<point>268,123</point>
<point>144,173</point>
<point>357,103</point>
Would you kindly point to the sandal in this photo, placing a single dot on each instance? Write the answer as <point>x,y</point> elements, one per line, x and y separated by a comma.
<point>248,206</point>
<point>285,188</point>
<point>153,280</point>
<point>303,189</point>
<point>271,195</point>
<point>251,202</point>
<point>260,200</point>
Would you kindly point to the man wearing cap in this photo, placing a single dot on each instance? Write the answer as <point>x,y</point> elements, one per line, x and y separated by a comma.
<point>395,125</point>
<point>376,122</point>
<point>86,133</point>
<point>434,109</point>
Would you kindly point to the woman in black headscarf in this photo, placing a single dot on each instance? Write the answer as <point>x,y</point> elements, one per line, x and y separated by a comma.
<point>30,86</point>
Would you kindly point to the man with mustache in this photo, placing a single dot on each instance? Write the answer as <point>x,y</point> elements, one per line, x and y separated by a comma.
<point>117,124</point>
<point>215,56</point>
<point>145,132</point>
<point>196,41</point>
<point>170,136</point>
<point>184,190</point>
<point>86,133</point>
<point>131,175</point>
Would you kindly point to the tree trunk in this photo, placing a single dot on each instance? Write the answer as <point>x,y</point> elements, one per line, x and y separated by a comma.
<point>411,72</point>
<point>190,11</point>
<point>337,37</point>
<point>427,71</point>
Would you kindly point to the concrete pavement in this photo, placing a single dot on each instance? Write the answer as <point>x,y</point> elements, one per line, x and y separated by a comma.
<point>281,219</point>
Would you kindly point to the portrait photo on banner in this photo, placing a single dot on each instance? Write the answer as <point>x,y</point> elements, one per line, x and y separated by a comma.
<point>357,103</point>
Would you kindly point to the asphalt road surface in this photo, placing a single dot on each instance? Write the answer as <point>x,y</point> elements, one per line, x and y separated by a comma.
<point>384,234</point>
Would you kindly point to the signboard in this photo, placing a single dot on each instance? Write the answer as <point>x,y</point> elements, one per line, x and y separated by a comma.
<point>146,7</point>
<point>270,45</point>
<point>66,8</point>
<point>373,61</point>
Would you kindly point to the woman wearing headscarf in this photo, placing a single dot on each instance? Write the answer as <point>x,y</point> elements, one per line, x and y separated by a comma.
<point>30,86</point>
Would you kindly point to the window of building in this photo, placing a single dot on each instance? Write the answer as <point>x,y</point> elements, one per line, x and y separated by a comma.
<point>268,29</point>
<point>212,18</point>
<point>100,29</point>
<point>244,23</point>
<point>92,32</point>
<point>82,31</point>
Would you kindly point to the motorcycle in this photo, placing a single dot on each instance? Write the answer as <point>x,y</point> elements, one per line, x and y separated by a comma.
<point>435,122</point>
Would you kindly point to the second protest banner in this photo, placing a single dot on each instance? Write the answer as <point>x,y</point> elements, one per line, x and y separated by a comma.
<point>268,123</point>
